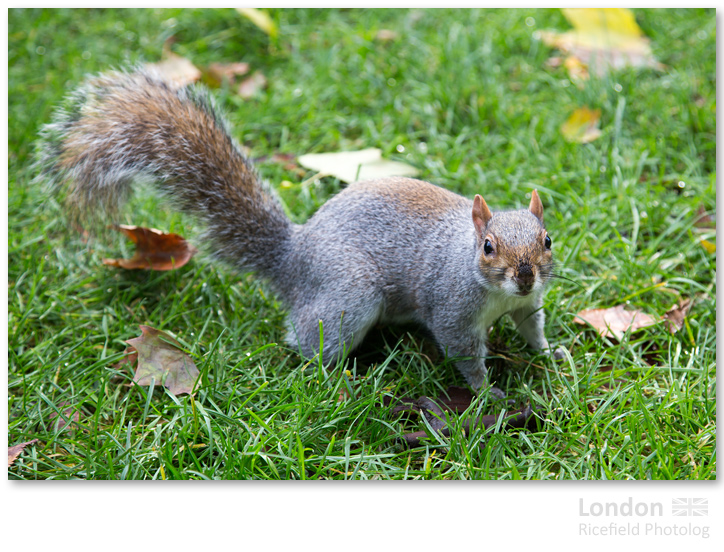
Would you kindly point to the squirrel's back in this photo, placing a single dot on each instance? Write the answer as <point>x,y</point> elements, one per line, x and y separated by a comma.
<point>395,234</point>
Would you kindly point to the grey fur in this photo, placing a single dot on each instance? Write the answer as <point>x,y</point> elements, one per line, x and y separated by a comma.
<point>372,254</point>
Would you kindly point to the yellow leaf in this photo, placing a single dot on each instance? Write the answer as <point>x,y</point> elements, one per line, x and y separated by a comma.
<point>618,24</point>
<point>582,125</point>
<point>710,247</point>
<point>577,70</point>
<point>603,39</point>
<point>260,19</point>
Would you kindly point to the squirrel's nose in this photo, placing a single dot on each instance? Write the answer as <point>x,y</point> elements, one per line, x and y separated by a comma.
<point>525,278</point>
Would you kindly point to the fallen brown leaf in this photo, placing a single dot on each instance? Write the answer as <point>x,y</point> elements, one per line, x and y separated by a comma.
<point>703,220</point>
<point>386,35</point>
<point>129,360</point>
<point>217,74</point>
<point>554,62</point>
<point>457,399</point>
<point>288,160</point>
<point>161,358</point>
<point>614,321</point>
<point>251,85</point>
<point>15,450</point>
<point>675,315</point>
<point>176,70</point>
<point>526,418</point>
<point>155,250</point>
<point>68,417</point>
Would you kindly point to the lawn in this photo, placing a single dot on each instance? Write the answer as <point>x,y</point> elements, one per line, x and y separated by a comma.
<point>470,98</point>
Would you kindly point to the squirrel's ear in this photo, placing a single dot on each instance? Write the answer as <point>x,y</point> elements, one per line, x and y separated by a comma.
<point>481,214</point>
<point>536,207</point>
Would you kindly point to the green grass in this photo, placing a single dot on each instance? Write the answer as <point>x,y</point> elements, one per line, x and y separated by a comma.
<point>469,97</point>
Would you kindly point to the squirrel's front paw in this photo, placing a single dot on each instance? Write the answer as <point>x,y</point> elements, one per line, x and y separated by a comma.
<point>559,353</point>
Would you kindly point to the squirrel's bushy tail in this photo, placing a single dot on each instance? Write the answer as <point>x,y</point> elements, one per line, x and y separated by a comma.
<point>125,126</point>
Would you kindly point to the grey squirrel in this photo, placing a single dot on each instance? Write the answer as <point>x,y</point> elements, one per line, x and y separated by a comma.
<point>381,251</point>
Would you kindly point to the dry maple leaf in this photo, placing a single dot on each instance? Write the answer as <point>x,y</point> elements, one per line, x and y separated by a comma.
<point>154,249</point>
<point>15,450</point>
<point>603,39</point>
<point>161,358</point>
<point>582,125</point>
<point>614,321</point>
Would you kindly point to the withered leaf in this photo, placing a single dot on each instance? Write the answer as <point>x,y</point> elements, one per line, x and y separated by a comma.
<point>15,450</point>
<point>709,246</point>
<point>161,358</point>
<point>603,39</point>
<point>577,70</point>
<point>458,399</point>
<point>251,85</point>
<point>68,417</point>
<point>127,361</point>
<point>675,315</point>
<point>582,125</point>
<point>614,321</point>
<point>261,19</point>
<point>217,74</point>
<point>176,70</point>
<point>155,250</point>
<point>356,165</point>
<point>703,220</point>
<point>386,35</point>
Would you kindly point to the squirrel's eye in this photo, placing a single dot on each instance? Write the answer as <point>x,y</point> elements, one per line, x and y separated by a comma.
<point>548,241</point>
<point>488,247</point>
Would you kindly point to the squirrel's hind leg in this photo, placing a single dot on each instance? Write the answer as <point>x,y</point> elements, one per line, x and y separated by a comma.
<point>343,325</point>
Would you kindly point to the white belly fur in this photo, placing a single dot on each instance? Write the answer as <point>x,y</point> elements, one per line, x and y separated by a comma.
<point>497,305</point>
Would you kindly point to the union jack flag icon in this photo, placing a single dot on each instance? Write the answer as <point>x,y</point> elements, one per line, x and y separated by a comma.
<point>690,506</point>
